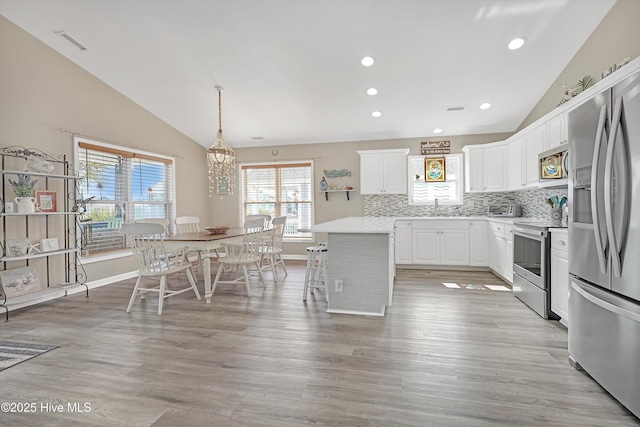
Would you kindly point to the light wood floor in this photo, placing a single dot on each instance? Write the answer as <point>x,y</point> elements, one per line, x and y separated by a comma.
<point>440,357</point>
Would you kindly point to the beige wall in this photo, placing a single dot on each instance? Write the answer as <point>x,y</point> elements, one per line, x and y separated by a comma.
<point>41,91</point>
<point>617,37</point>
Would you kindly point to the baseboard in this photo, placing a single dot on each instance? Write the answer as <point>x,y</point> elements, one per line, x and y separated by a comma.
<point>358,313</point>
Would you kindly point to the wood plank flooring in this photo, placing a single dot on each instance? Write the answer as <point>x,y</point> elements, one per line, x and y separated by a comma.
<point>440,357</point>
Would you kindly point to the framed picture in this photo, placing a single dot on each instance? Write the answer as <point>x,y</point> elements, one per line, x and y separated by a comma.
<point>46,201</point>
<point>16,247</point>
<point>223,185</point>
<point>552,166</point>
<point>434,169</point>
<point>19,281</point>
<point>8,207</point>
<point>49,244</point>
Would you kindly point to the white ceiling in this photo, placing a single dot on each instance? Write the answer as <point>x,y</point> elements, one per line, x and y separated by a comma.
<point>291,69</point>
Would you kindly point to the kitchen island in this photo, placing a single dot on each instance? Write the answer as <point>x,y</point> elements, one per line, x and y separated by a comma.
<point>361,255</point>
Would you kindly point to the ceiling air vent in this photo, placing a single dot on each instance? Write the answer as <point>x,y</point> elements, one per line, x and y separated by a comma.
<point>455,108</point>
<point>257,138</point>
<point>71,40</point>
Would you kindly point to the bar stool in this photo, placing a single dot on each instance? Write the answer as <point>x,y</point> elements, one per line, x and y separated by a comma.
<point>316,267</point>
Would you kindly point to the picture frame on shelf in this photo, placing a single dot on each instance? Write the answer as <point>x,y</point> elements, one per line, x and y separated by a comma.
<point>19,281</point>
<point>46,201</point>
<point>16,247</point>
<point>8,207</point>
<point>48,245</point>
<point>435,169</point>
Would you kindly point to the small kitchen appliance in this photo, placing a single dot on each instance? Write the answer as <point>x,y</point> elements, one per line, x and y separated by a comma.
<point>505,211</point>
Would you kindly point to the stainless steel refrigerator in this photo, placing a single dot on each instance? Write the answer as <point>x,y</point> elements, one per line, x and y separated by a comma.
<point>604,231</point>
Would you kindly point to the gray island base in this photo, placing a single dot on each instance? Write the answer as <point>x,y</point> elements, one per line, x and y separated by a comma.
<point>361,256</point>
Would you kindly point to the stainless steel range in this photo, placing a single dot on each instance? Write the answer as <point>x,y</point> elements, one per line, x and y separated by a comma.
<point>531,266</point>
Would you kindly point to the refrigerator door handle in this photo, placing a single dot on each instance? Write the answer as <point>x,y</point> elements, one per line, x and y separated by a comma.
<point>595,199</point>
<point>604,304</point>
<point>622,182</point>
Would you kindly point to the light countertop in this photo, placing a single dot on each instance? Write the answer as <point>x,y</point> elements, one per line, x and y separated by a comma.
<point>356,224</point>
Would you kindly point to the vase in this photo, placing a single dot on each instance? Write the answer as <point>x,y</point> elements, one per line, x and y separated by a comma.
<point>26,205</point>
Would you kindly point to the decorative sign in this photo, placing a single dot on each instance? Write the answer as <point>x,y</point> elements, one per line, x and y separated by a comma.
<point>435,147</point>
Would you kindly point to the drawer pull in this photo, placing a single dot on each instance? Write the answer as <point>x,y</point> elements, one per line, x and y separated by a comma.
<point>561,242</point>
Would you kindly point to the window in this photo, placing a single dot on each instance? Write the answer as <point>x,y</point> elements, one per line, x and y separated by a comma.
<point>279,190</point>
<point>120,185</point>
<point>448,192</point>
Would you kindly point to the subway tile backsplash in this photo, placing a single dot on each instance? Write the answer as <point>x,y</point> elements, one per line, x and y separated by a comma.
<point>534,204</point>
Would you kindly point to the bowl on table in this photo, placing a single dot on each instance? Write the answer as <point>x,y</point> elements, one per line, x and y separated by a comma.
<point>218,230</point>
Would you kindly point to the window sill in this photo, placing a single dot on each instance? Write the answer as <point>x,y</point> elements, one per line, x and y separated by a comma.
<point>105,257</point>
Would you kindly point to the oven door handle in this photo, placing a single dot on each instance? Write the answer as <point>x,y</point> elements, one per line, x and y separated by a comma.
<point>537,235</point>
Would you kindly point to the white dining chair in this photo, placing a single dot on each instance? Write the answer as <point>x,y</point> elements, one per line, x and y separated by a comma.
<point>265,217</point>
<point>162,221</point>
<point>191,224</point>
<point>271,250</point>
<point>242,255</point>
<point>155,261</point>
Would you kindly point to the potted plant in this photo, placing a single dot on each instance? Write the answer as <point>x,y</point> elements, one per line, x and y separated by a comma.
<point>24,189</point>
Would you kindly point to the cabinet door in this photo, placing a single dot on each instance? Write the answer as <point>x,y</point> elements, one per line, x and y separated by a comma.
<point>534,146</point>
<point>556,131</point>
<point>495,168</point>
<point>560,285</point>
<point>496,253</point>
<point>425,246</point>
<point>454,247</point>
<point>395,173</point>
<point>403,242</point>
<point>371,173</point>
<point>478,247</point>
<point>474,170</point>
<point>508,259</point>
<point>515,171</point>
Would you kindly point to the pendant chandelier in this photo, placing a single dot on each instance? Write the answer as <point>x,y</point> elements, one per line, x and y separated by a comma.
<point>221,159</point>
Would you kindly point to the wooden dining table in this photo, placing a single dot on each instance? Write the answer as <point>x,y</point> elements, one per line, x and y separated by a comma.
<point>207,243</point>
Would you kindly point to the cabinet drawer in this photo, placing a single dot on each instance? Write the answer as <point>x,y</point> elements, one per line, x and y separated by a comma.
<point>439,224</point>
<point>508,231</point>
<point>560,241</point>
<point>498,227</point>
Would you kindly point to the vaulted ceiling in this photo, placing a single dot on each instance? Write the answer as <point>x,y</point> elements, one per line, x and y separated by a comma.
<point>291,69</point>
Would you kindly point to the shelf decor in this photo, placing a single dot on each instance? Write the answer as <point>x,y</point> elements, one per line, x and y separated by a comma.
<point>434,169</point>
<point>16,247</point>
<point>46,201</point>
<point>19,281</point>
<point>50,244</point>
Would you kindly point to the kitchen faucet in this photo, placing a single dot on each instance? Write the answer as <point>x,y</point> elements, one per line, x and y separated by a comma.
<point>435,208</point>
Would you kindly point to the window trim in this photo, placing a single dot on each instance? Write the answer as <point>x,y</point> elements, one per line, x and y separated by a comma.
<point>460,181</point>
<point>83,142</point>
<point>280,163</point>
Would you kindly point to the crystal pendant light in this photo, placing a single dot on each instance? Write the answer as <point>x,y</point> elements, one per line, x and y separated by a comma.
<point>221,159</point>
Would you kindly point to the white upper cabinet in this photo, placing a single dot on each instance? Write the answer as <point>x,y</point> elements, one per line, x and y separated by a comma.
<point>495,168</point>
<point>485,167</point>
<point>534,143</point>
<point>473,169</point>
<point>556,131</point>
<point>515,160</point>
<point>383,171</point>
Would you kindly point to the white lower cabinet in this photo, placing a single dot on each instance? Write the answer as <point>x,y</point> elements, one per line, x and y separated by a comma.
<point>560,275</point>
<point>500,248</point>
<point>403,243</point>
<point>478,245</point>
<point>440,242</point>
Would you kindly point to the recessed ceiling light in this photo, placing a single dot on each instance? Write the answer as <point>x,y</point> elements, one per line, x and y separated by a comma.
<point>367,61</point>
<point>485,105</point>
<point>376,114</point>
<point>372,91</point>
<point>517,43</point>
<point>437,130</point>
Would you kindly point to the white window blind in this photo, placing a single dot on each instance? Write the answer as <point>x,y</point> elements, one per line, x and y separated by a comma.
<point>123,186</point>
<point>280,190</point>
<point>423,192</point>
